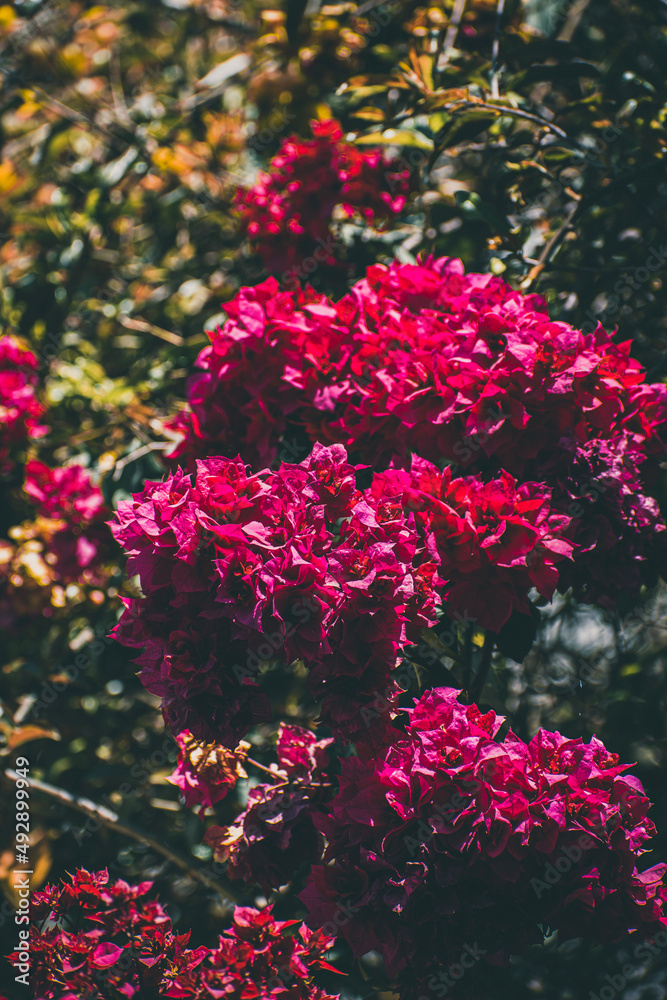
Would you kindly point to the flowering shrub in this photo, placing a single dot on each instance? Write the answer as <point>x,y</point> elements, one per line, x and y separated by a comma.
<point>454,836</point>
<point>288,213</point>
<point>238,569</point>
<point>430,360</point>
<point>299,564</point>
<point>117,178</point>
<point>90,938</point>
<point>275,835</point>
<point>20,408</point>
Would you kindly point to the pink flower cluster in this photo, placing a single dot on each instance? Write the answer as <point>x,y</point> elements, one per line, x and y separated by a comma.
<point>300,565</point>
<point>275,835</point>
<point>66,492</point>
<point>20,408</point>
<point>492,541</point>
<point>100,940</point>
<point>239,569</point>
<point>64,554</point>
<point>422,358</point>
<point>288,213</point>
<point>430,360</point>
<point>620,532</point>
<point>80,542</point>
<point>456,836</point>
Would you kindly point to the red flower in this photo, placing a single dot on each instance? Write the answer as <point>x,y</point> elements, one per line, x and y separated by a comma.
<point>288,212</point>
<point>299,564</point>
<point>425,359</point>
<point>89,938</point>
<point>296,564</point>
<point>20,408</point>
<point>66,492</point>
<point>80,542</point>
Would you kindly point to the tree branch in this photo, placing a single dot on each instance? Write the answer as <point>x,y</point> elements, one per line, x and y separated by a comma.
<point>113,821</point>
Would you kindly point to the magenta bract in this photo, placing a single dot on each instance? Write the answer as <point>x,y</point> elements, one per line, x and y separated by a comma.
<point>237,569</point>
<point>455,836</point>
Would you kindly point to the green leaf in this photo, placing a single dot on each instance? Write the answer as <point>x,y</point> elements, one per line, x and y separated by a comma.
<point>462,127</point>
<point>396,137</point>
<point>557,154</point>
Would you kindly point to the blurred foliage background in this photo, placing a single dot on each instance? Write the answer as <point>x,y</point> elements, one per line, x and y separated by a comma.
<point>536,135</point>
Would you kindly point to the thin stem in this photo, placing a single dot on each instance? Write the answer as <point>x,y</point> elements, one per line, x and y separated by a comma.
<point>136,323</point>
<point>453,26</point>
<point>112,820</point>
<point>116,81</point>
<point>468,651</point>
<point>575,15</point>
<point>504,110</point>
<point>549,248</point>
<point>262,767</point>
<point>452,32</point>
<point>482,673</point>
<point>500,9</point>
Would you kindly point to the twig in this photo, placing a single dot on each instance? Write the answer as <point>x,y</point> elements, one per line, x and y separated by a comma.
<point>500,9</point>
<point>610,269</point>
<point>145,449</point>
<point>116,81</point>
<point>452,32</point>
<point>572,21</point>
<point>504,110</point>
<point>262,767</point>
<point>142,326</point>
<point>81,119</point>
<point>24,709</point>
<point>547,250</point>
<point>467,659</point>
<point>111,820</point>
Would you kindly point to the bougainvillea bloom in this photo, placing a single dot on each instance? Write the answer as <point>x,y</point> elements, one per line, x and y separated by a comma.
<point>288,212</point>
<point>494,541</point>
<point>456,836</point>
<point>257,957</point>
<point>275,834</point>
<point>430,360</point>
<point>238,570</point>
<point>66,492</point>
<point>20,408</point>
<point>298,564</point>
<point>70,500</point>
<point>64,555</point>
<point>205,771</point>
<point>100,940</point>
<point>420,358</point>
<point>620,533</point>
